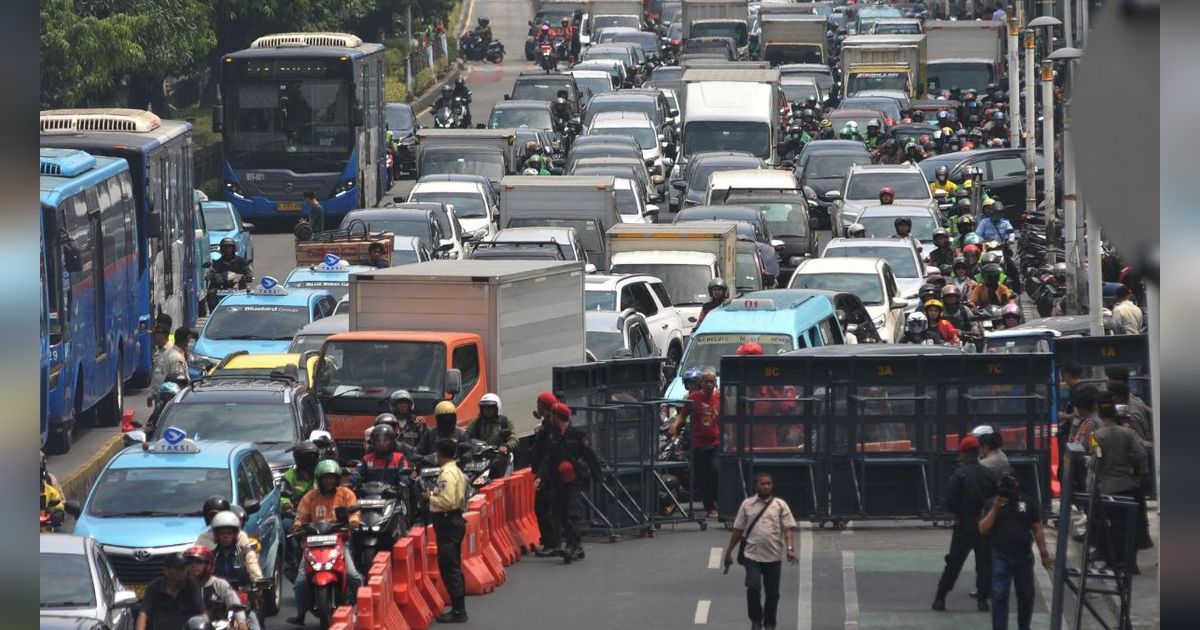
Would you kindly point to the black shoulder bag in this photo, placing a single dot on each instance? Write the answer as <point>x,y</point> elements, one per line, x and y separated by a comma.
<point>741,557</point>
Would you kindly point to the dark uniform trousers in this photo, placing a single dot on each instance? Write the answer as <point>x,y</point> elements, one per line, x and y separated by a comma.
<point>566,514</point>
<point>449,527</point>
<point>966,539</point>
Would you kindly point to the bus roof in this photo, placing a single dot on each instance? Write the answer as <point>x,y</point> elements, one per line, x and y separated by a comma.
<point>101,130</point>
<point>65,172</point>
<point>305,51</point>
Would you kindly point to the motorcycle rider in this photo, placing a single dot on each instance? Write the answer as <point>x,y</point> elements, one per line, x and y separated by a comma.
<point>219,596</point>
<point>384,463</point>
<point>962,276</point>
<point>1010,315</point>
<point>494,429</point>
<point>850,132</point>
<point>447,100</point>
<point>483,30</point>
<point>297,481</point>
<point>463,94</point>
<point>874,137</point>
<point>933,311</point>
<point>941,181</point>
<point>903,227</point>
<point>793,141</point>
<point>535,158</point>
<point>808,121</point>
<point>409,428</point>
<point>917,331</point>
<point>826,131</point>
<point>995,227</point>
<point>718,290</point>
<point>887,196</point>
<point>990,291</point>
<point>966,227</point>
<point>321,506</point>
<point>570,34</point>
<point>942,254</point>
<point>564,471</point>
<point>51,500</point>
<point>856,230</point>
<point>225,535</point>
<point>953,309</point>
<point>446,415</point>
<point>228,262</point>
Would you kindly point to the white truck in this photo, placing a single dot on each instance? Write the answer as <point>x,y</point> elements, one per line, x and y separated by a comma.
<point>731,110</point>
<point>792,37</point>
<point>718,18</point>
<point>586,203</point>
<point>964,54</point>
<point>685,257</point>
<point>455,329</point>
<point>884,62</point>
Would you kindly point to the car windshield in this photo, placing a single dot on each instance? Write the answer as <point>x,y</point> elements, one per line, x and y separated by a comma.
<point>881,103</point>
<point>964,74</point>
<point>797,92</point>
<point>825,166</point>
<point>255,322</point>
<point>234,422</point>
<point>705,350</point>
<point>451,162</point>
<point>66,581</point>
<point>686,284</point>
<point>517,117</point>
<point>166,491</point>
<point>399,119</point>
<point>704,135</point>
<point>699,173</point>
<point>608,21</point>
<point>667,73</point>
<point>219,219</point>
<point>590,236</point>
<point>647,106</point>
<point>866,286</point>
<point>375,369</point>
<point>902,260</point>
<point>733,30</point>
<point>404,257</point>
<point>304,343</point>
<point>746,268</point>
<point>824,79</point>
<point>784,219</point>
<point>627,201</point>
<point>466,205</point>
<point>644,136</point>
<point>883,227</point>
<point>538,90</point>
<point>894,28</point>
<point>905,185</point>
<point>417,226</point>
<point>604,344</point>
<point>595,85</point>
<point>599,300</point>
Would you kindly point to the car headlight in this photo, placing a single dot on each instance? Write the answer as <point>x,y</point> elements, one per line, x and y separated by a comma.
<point>343,187</point>
<point>235,188</point>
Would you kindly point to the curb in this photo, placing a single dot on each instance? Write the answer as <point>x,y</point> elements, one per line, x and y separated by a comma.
<point>76,485</point>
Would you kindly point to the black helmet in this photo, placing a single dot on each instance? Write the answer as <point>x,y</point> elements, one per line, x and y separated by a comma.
<point>807,113</point>
<point>382,431</point>
<point>810,102</point>
<point>928,291</point>
<point>903,221</point>
<point>942,172</point>
<point>227,241</point>
<point>991,272</point>
<point>943,116</point>
<point>997,207</point>
<point>961,193</point>
<point>240,512</point>
<point>447,90</point>
<point>212,505</point>
<point>718,282</point>
<point>460,82</point>
<point>199,622</point>
<point>306,454</point>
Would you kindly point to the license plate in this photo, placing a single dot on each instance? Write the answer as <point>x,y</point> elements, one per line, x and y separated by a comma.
<point>372,503</point>
<point>322,541</point>
<point>288,206</point>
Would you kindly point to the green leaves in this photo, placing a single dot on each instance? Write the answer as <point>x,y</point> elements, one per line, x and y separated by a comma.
<point>84,57</point>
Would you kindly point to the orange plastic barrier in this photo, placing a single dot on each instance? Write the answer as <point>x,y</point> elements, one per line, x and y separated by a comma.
<point>479,581</point>
<point>367,607</point>
<point>491,557</point>
<point>407,595</point>
<point>887,447</point>
<point>422,567</point>
<point>343,617</point>
<point>498,523</point>
<point>433,570</point>
<point>379,580</point>
<point>1055,487</point>
<point>531,537</point>
<point>512,509</point>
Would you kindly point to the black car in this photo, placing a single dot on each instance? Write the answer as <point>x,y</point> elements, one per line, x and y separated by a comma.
<point>787,215</point>
<point>545,87</point>
<point>275,412</point>
<point>693,183</point>
<point>1003,175</point>
<point>400,119</point>
<point>824,171</point>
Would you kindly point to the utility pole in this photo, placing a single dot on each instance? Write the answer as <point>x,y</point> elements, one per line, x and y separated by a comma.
<point>1048,152</point>
<point>1071,204</point>
<point>1030,133</point>
<point>1014,84</point>
<point>1095,283</point>
<point>1068,23</point>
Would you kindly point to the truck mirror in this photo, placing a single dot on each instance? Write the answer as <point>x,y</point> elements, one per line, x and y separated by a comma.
<point>218,115</point>
<point>453,381</point>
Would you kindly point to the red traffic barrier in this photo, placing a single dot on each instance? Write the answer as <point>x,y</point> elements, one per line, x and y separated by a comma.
<point>498,523</point>
<point>513,505</point>
<point>344,617</point>
<point>379,580</point>
<point>478,579</point>
<point>416,611</point>
<point>367,617</point>
<point>491,557</point>
<point>530,536</point>
<point>431,594</point>
<point>1055,486</point>
<point>433,570</point>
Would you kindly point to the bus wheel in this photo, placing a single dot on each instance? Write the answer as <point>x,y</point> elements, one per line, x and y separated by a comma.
<point>108,412</point>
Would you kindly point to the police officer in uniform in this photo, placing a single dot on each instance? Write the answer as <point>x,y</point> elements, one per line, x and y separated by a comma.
<point>446,504</point>
<point>970,486</point>
<point>569,462</point>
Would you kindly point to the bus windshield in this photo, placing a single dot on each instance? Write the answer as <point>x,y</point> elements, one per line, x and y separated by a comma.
<point>301,125</point>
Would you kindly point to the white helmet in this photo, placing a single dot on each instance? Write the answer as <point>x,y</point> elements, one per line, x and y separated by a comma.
<point>530,171</point>
<point>983,429</point>
<point>918,321</point>
<point>490,399</point>
<point>226,519</point>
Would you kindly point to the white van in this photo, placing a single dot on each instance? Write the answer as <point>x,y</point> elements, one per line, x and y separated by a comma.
<point>720,182</point>
<point>732,116</point>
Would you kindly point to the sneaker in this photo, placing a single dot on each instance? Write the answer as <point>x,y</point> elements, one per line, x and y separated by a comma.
<point>939,604</point>
<point>713,515</point>
<point>982,605</point>
<point>576,553</point>
<point>544,552</point>
<point>459,616</point>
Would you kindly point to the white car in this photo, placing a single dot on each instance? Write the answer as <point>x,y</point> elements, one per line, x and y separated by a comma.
<point>902,258</point>
<point>639,127</point>
<point>631,201</point>
<point>645,294</point>
<point>870,279</point>
<point>474,206</point>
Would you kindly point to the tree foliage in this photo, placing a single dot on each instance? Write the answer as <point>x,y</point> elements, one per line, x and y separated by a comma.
<point>84,57</point>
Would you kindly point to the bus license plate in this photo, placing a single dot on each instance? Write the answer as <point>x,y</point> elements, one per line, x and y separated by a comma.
<point>288,206</point>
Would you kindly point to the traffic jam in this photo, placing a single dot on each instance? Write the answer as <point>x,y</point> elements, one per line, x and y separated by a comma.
<point>701,261</point>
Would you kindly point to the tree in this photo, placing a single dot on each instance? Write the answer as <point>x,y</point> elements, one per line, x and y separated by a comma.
<point>83,57</point>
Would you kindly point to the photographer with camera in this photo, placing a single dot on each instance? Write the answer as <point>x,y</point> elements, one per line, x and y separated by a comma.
<point>1013,521</point>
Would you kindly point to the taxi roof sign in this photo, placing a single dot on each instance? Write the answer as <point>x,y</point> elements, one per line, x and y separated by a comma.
<point>175,441</point>
<point>333,263</point>
<point>750,304</point>
<point>269,286</point>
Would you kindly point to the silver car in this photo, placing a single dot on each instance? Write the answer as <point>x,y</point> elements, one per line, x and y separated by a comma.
<point>78,582</point>
<point>863,182</point>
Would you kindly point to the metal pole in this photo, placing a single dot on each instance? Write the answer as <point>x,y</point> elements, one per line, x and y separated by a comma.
<point>1155,383</point>
<point>1014,84</point>
<point>1030,132</point>
<point>1048,151</point>
<point>1068,23</point>
<point>1085,20</point>
<point>1095,283</point>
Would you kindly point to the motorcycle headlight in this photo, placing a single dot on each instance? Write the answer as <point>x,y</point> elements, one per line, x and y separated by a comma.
<point>343,187</point>
<point>374,528</point>
<point>235,188</point>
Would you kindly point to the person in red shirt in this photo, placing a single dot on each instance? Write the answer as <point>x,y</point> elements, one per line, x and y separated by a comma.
<point>933,310</point>
<point>703,408</point>
<point>766,434</point>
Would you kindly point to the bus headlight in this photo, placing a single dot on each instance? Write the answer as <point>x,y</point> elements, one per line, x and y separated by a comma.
<point>343,187</point>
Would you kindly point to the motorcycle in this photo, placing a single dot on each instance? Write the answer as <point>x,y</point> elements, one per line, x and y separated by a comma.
<point>251,597</point>
<point>547,57</point>
<point>481,463</point>
<point>451,117</point>
<point>473,49</point>
<point>383,510</point>
<point>219,285</point>
<point>325,566</point>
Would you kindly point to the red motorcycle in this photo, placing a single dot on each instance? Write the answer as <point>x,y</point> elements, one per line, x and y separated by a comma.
<point>547,56</point>
<point>322,547</point>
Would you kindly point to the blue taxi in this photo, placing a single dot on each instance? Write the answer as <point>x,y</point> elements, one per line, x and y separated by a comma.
<point>780,320</point>
<point>332,274</point>
<point>261,320</point>
<point>146,504</point>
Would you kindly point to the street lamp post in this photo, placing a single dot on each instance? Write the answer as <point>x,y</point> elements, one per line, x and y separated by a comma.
<point>1070,189</point>
<point>1014,85</point>
<point>1030,134</point>
<point>1048,22</point>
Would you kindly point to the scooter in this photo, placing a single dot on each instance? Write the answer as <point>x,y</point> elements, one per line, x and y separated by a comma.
<point>547,58</point>
<point>219,285</point>
<point>325,566</point>
<point>383,511</point>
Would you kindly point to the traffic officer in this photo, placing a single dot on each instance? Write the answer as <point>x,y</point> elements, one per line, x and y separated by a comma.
<point>970,486</point>
<point>569,462</point>
<point>446,503</point>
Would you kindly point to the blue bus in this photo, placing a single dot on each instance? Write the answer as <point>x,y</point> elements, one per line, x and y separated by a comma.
<point>89,259</point>
<point>302,112</point>
<point>159,154</point>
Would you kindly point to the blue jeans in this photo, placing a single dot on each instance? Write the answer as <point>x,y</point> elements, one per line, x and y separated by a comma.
<point>353,581</point>
<point>1009,568</point>
<point>762,576</point>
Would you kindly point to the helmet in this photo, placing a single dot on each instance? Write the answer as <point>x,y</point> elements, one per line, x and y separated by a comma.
<point>902,221</point>
<point>998,116</point>
<point>240,512</point>
<point>545,28</point>
<point>973,239</point>
<point>447,91</point>
<point>167,391</point>
<point>692,375</point>
<point>212,505</point>
<point>386,419</point>
<point>200,553</point>
<point>943,116</point>
<point>228,519</point>
<point>887,190</point>
<point>460,82</point>
<point>490,399</point>
<point>807,113</point>
<point>927,289</point>
<point>380,432</point>
<point>936,279</point>
<point>810,102</point>
<point>991,257</point>
<point>961,261</point>
<point>566,21</point>
<point>971,249</point>
<point>484,21</point>
<point>942,172</point>
<point>940,232</point>
<point>961,193</point>
<point>445,408</point>
<point>934,304</point>
<point>1011,310</point>
<point>966,219</point>
<point>856,230</point>
<point>950,289</point>
<point>327,467</point>
<point>991,272</point>
<point>750,348</point>
<point>718,282</point>
<point>997,207</point>
<point>306,454</point>
<point>871,123</point>
<point>826,123</point>
<point>917,321</point>
<point>227,242</point>
<point>964,204</point>
<point>530,171</point>
<point>400,394</point>
<point>1060,270</point>
<point>852,125</point>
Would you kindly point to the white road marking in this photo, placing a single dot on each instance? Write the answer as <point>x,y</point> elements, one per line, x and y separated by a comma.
<point>804,597</point>
<point>714,557</point>
<point>850,586</point>
<point>702,607</point>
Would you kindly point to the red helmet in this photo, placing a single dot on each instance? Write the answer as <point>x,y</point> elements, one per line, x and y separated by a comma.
<point>971,248</point>
<point>545,28</point>
<point>887,190</point>
<point>750,348</point>
<point>200,553</point>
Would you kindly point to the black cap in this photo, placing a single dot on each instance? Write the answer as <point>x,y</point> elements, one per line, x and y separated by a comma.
<point>175,560</point>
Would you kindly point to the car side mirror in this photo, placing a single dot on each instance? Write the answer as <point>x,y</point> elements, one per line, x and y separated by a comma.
<point>589,268</point>
<point>679,185</point>
<point>453,381</point>
<point>251,506</point>
<point>124,599</point>
<point>929,271</point>
<point>130,438</point>
<point>654,198</point>
<point>833,195</point>
<point>72,508</point>
<point>652,210</point>
<point>777,244</point>
<point>508,97</point>
<point>444,246</point>
<point>900,303</point>
<point>249,227</point>
<point>851,329</point>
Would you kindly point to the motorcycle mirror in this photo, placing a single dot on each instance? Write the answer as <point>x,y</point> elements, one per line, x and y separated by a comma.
<point>251,505</point>
<point>72,508</point>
